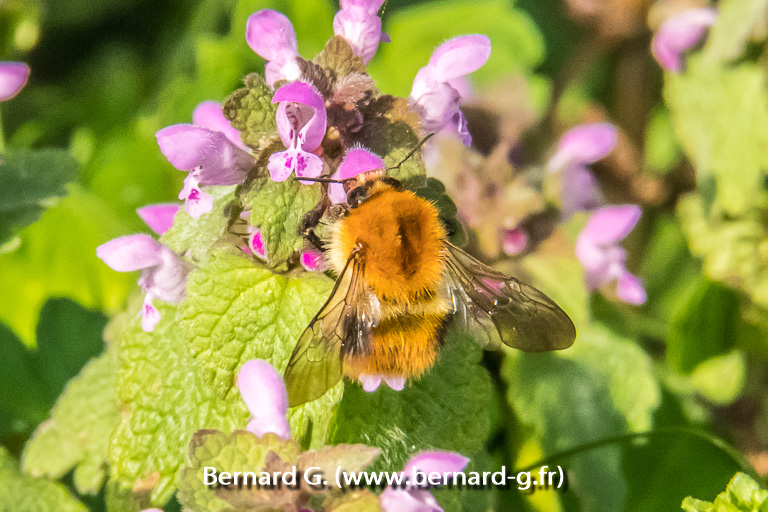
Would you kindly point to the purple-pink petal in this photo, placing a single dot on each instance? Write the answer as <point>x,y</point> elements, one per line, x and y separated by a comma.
<point>270,34</point>
<point>256,244</point>
<point>611,224</point>
<point>13,78</point>
<point>460,56</point>
<point>401,500</point>
<point>514,241</point>
<point>580,191</point>
<point>301,116</point>
<point>210,156</point>
<point>370,383</point>
<point>583,145</point>
<point>150,316</point>
<point>312,261</point>
<point>395,383</point>
<point>208,115</point>
<point>436,462</point>
<point>159,217</point>
<point>630,289</point>
<point>197,203</point>
<point>264,393</point>
<point>129,253</point>
<point>680,33</point>
<point>308,165</point>
<point>358,22</point>
<point>366,6</point>
<point>357,161</point>
<point>187,146</point>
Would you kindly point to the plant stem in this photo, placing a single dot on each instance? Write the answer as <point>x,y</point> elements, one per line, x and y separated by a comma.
<point>735,455</point>
<point>2,137</point>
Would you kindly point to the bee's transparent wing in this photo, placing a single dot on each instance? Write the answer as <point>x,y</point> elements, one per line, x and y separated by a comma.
<point>498,308</point>
<point>342,326</point>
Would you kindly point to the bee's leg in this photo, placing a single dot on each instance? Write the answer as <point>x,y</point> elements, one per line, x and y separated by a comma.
<point>312,238</point>
<point>313,216</point>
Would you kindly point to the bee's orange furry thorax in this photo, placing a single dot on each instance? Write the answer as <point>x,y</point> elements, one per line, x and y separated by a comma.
<point>401,238</point>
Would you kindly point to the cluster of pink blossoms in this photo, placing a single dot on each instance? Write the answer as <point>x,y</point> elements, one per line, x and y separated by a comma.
<point>597,246</point>
<point>212,153</point>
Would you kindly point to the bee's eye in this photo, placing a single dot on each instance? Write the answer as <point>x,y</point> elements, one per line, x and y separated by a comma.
<point>356,196</point>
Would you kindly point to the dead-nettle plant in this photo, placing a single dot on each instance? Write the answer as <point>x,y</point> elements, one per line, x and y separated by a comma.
<point>234,276</point>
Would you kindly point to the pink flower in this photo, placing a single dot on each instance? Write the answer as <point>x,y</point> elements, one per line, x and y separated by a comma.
<point>256,243</point>
<point>598,250</point>
<point>270,34</point>
<point>680,33</point>
<point>264,393</point>
<point>312,261</point>
<point>209,156</point>
<point>357,161</point>
<point>514,241</point>
<point>208,115</point>
<point>159,217</point>
<point>578,147</point>
<point>415,497</point>
<point>432,94</point>
<point>583,145</point>
<point>301,123</point>
<point>13,78</point>
<point>371,383</point>
<point>358,22</point>
<point>163,273</point>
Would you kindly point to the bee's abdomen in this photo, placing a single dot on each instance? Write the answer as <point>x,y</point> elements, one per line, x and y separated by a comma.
<point>401,346</point>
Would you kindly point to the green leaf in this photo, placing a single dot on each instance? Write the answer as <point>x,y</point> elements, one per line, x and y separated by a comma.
<point>339,57</point>
<point>22,493</point>
<point>251,111</point>
<point>724,134</point>
<point>32,181</point>
<point>704,327</point>
<point>68,335</point>
<point>742,495</point>
<point>601,387</point>
<point>730,246</point>
<point>721,379</point>
<point>517,44</point>
<point>662,152</point>
<point>164,400</point>
<point>57,258</point>
<point>736,19</point>
<point>446,409</point>
<point>195,238</point>
<point>24,400</point>
<point>239,451</point>
<point>277,208</point>
<point>349,457</point>
<point>236,312</point>
<point>77,434</point>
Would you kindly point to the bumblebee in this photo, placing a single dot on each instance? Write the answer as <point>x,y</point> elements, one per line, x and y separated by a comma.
<point>400,282</point>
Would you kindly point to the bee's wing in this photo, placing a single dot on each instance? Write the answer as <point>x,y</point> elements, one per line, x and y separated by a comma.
<point>496,307</point>
<point>342,326</point>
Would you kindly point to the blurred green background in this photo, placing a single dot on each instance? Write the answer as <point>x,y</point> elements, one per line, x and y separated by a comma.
<point>107,75</point>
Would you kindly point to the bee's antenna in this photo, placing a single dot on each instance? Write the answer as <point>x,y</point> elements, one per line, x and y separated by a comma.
<point>411,152</point>
<point>322,180</point>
